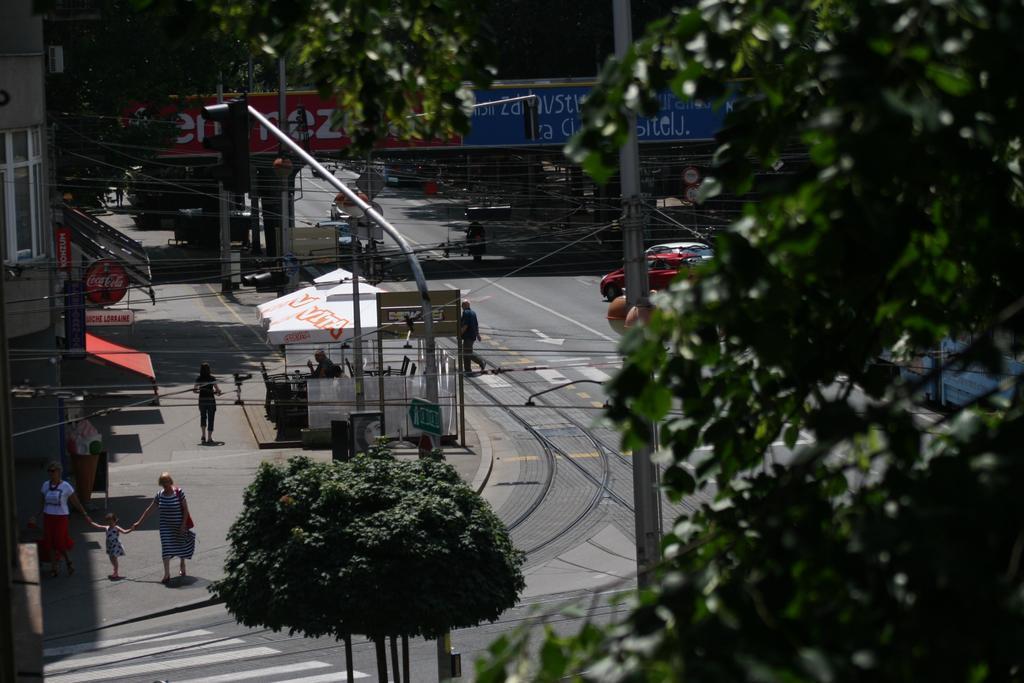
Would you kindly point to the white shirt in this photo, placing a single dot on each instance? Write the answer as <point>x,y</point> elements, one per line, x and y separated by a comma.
<point>56,497</point>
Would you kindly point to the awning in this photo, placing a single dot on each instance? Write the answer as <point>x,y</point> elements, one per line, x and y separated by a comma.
<point>115,355</point>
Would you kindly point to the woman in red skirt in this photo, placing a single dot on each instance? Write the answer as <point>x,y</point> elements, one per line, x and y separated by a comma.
<point>55,494</point>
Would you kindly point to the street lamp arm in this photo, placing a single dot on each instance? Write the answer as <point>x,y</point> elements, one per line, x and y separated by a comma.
<point>414,264</point>
<point>529,399</point>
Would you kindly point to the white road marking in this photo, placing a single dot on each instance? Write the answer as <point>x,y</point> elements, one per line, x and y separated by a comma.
<point>162,665</point>
<point>552,376</point>
<point>546,339</point>
<point>566,360</point>
<point>120,654</point>
<point>494,382</point>
<point>593,373</point>
<point>162,636</point>
<point>326,678</point>
<point>258,673</point>
<point>589,329</point>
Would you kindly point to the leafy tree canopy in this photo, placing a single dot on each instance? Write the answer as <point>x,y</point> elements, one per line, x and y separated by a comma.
<point>371,546</point>
<point>381,60</point>
<point>891,548</point>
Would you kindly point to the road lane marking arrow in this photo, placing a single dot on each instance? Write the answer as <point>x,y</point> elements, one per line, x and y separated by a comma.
<point>546,339</point>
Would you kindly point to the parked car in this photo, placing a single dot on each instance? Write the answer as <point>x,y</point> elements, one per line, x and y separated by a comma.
<point>661,270</point>
<point>700,249</point>
<point>342,228</point>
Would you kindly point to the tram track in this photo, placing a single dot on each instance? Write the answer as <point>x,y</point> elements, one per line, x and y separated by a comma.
<point>555,455</point>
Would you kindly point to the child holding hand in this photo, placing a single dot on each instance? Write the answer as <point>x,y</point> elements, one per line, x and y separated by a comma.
<point>114,547</point>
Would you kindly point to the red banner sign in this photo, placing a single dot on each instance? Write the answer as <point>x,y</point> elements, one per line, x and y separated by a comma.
<point>319,114</point>
<point>106,282</point>
<point>62,236</point>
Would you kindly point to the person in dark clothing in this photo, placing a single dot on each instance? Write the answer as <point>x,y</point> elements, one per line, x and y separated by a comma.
<point>476,240</point>
<point>325,367</point>
<point>206,387</point>
<point>470,335</point>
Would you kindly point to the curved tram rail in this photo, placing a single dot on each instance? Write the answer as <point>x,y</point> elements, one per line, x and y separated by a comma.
<point>553,456</point>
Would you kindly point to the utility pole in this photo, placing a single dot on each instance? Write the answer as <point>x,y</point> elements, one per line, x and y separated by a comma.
<point>426,309</point>
<point>254,196</point>
<point>9,560</point>
<point>225,218</point>
<point>285,248</point>
<point>646,495</point>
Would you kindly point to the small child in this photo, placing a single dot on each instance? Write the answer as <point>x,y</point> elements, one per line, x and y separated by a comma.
<point>114,547</point>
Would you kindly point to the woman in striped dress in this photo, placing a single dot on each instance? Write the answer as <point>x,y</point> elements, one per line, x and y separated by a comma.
<point>176,540</point>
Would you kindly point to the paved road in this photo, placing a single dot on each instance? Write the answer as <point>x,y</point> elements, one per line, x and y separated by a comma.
<point>208,646</point>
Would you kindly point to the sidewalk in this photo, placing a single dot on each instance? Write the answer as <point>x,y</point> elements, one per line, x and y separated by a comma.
<point>191,323</point>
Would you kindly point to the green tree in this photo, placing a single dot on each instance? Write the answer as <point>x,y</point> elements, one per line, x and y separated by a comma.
<point>90,104</point>
<point>372,546</point>
<point>382,61</point>
<point>890,549</point>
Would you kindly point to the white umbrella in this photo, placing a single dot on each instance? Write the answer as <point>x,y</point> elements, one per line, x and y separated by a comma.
<point>285,305</point>
<point>314,320</point>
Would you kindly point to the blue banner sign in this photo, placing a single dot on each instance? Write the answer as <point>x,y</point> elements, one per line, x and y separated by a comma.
<point>558,114</point>
<point>74,318</point>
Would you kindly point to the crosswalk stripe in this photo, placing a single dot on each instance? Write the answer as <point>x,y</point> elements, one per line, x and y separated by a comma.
<point>64,650</point>
<point>494,382</point>
<point>162,665</point>
<point>326,678</point>
<point>120,654</point>
<point>552,376</point>
<point>259,673</point>
<point>593,373</point>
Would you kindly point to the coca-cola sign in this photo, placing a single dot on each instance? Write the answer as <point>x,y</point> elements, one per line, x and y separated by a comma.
<point>106,282</point>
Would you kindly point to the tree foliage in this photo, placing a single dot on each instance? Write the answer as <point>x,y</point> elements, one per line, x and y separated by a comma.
<point>90,102</point>
<point>371,546</point>
<point>890,549</point>
<point>380,60</point>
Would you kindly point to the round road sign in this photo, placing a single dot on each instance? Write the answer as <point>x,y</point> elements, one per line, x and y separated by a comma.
<point>106,282</point>
<point>691,175</point>
<point>692,193</point>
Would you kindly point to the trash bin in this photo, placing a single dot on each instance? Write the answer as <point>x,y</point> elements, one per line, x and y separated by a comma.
<point>84,465</point>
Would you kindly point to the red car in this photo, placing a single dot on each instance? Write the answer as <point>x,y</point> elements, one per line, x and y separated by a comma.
<point>661,270</point>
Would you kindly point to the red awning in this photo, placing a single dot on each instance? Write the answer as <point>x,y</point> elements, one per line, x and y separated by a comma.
<point>120,356</point>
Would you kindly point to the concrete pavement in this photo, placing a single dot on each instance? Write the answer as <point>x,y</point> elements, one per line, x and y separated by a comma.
<point>191,323</point>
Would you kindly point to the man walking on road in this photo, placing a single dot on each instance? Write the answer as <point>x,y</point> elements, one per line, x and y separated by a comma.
<point>470,335</point>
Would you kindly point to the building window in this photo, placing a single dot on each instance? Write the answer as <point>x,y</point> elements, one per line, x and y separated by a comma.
<point>22,209</point>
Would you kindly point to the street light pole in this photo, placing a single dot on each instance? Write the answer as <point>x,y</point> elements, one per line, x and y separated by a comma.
<point>414,265</point>
<point>645,475</point>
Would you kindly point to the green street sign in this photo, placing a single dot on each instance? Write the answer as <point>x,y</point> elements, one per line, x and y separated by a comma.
<point>425,416</point>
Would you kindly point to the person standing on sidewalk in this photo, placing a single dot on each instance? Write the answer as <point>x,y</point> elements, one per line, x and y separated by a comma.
<point>56,493</point>
<point>470,335</point>
<point>176,539</point>
<point>206,387</point>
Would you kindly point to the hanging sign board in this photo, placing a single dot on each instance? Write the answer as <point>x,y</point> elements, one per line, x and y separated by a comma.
<point>62,237</point>
<point>103,317</point>
<point>74,318</point>
<point>399,314</point>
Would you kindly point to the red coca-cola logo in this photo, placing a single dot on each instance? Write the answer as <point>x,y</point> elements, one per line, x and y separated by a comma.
<point>106,282</point>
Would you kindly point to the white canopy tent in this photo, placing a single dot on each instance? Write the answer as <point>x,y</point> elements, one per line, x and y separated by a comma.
<point>319,315</point>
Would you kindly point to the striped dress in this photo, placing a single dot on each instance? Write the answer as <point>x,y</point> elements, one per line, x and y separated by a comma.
<point>172,542</point>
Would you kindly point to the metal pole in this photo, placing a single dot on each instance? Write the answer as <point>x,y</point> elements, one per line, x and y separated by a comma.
<point>254,197</point>
<point>225,220</point>
<point>9,560</point>
<point>414,265</point>
<point>645,474</point>
<point>357,343</point>
<point>285,245</point>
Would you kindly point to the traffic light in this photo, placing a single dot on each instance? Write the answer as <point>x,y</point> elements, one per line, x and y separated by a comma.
<point>530,124</point>
<point>232,142</point>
